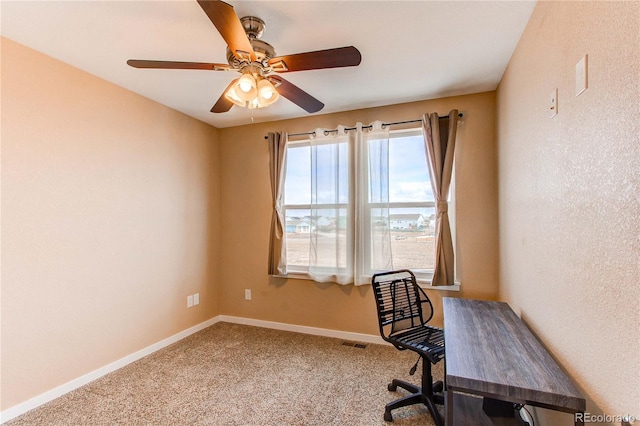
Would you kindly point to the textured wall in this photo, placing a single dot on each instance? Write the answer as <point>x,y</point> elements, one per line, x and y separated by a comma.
<point>109,217</point>
<point>569,195</point>
<point>246,219</point>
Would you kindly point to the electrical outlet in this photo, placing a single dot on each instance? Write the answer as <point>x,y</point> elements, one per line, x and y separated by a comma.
<point>189,301</point>
<point>247,294</point>
<point>196,299</point>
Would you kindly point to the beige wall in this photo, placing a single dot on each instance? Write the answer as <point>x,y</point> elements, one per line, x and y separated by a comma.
<point>109,220</point>
<point>115,208</point>
<point>246,218</point>
<point>569,191</point>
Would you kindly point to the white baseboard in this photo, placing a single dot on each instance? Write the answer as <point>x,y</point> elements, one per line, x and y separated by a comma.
<point>345,335</point>
<point>54,393</point>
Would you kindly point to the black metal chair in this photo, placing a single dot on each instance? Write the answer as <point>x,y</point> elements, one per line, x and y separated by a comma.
<point>403,313</point>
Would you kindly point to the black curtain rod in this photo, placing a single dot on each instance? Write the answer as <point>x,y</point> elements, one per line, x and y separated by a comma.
<point>326,132</point>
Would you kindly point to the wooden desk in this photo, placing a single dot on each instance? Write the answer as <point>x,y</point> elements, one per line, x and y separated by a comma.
<point>491,352</point>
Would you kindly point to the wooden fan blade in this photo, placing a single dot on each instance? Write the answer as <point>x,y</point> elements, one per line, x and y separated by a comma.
<point>330,58</point>
<point>296,95</point>
<point>223,104</point>
<point>172,65</point>
<point>226,21</point>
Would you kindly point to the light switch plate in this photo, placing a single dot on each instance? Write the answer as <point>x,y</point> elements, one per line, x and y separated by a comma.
<point>247,294</point>
<point>196,299</point>
<point>582,75</point>
<point>189,301</point>
<point>553,103</point>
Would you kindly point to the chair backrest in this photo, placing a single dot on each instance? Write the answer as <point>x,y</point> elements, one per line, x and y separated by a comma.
<point>400,302</point>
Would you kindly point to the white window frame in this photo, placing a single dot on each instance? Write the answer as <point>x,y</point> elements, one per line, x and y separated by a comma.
<point>423,277</point>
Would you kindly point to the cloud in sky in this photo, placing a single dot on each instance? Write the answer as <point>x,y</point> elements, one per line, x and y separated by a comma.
<point>410,191</point>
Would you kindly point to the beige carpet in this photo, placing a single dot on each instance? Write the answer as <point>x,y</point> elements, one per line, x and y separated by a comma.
<point>231,374</point>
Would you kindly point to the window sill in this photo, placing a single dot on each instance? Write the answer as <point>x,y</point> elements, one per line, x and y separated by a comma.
<point>426,286</point>
<point>423,284</point>
<point>294,276</point>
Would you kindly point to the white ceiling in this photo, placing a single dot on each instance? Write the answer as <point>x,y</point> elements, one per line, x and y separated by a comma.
<point>411,50</point>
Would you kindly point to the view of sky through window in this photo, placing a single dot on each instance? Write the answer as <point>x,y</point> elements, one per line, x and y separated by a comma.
<point>408,173</point>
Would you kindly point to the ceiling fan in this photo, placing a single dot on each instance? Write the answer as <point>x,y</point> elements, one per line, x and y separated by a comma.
<point>256,60</point>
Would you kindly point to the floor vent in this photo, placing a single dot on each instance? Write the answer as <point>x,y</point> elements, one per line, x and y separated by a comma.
<point>355,345</point>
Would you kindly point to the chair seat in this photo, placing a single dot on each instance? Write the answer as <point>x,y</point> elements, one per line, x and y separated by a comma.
<point>424,339</point>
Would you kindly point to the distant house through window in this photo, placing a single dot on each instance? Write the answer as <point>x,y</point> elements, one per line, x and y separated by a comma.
<point>298,225</point>
<point>407,221</point>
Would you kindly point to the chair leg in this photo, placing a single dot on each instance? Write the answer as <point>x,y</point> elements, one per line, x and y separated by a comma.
<point>425,395</point>
<point>414,398</point>
<point>395,383</point>
<point>431,405</point>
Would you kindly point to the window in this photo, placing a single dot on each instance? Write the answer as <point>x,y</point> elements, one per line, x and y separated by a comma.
<point>411,204</point>
<point>396,213</point>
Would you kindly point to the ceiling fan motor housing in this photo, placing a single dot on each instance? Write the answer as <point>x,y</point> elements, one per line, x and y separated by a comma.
<point>254,27</point>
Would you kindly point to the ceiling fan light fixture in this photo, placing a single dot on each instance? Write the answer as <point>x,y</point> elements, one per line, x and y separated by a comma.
<point>232,95</point>
<point>267,94</point>
<point>254,104</point>
<point>246,88</point>
<point>264,93</point>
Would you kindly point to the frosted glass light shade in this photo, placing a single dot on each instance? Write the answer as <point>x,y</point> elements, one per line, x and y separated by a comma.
<point>232,96</point>
<point>246,88</point>
<point>267,94</point>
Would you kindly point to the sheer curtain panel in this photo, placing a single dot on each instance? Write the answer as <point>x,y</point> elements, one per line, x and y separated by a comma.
<point>277,165</point>
<point>331,216</point>
<point>349,204</point>
<point>439,139</point>
<point>373,237</point>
